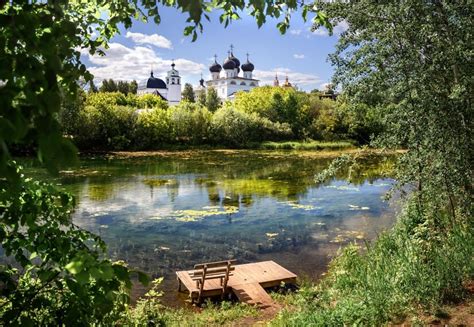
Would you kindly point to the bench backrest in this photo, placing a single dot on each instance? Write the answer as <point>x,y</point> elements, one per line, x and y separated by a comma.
<point>213,270</point>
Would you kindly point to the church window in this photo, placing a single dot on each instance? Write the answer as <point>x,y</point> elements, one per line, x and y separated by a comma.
<point>252,84</point>
<point>243,83</point>
<point>233,83</point>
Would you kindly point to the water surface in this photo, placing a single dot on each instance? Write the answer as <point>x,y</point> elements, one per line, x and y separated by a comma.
<point>167,212</point>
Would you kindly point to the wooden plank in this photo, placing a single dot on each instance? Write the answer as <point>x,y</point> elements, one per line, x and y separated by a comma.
<point>253,294</point>
<point>211,271</point>
<point>214,264</point>
<point>211,276</point>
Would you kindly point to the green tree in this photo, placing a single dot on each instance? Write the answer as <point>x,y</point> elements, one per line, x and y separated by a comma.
<point>426,85</point>
<point>109,85</point>
<point>92,87</point>
<point>123,87</point>
<point>133,87</point>
<point>201,99</point>
<point>153,129</point>
<point>70,114</point>
<point>188,93</point>
<point>212,100</point>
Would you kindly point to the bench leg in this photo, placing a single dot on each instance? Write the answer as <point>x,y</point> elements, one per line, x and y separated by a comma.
<point>179,285</point>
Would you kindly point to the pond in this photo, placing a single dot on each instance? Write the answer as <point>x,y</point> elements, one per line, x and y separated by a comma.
<point>166,212</point>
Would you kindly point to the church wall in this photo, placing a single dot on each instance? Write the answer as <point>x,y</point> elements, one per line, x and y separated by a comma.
<point>163,92</point>
<point>174,93</point>
<point>238,87</point>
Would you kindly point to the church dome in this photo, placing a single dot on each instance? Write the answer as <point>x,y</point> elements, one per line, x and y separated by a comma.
<point>234,59</point>
<point>229,64</point>
<point>248,66</point>
<point>215,67</point>
<point>155,83</point>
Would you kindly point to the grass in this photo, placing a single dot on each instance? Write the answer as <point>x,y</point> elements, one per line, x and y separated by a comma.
<point>404,271</point>
<point>154,314</point>
<point>267,145</point>
<point>149,311</point>
<point>304,145</point>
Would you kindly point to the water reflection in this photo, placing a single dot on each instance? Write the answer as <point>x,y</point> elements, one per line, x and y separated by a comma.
<point>162,214</point>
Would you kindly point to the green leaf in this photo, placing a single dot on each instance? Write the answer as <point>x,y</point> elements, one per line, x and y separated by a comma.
<point>75,266</point>
<point>143,278</point>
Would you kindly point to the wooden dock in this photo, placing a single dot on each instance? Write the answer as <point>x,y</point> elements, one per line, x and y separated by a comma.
<point>247,282</point>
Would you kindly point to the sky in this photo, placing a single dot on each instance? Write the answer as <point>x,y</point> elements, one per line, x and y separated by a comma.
<point>299,54</point>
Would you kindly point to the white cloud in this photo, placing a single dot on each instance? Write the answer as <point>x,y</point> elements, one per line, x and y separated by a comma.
<point>340,28</point>
<point>298,56</point>
<point>322,31</point>
<point>266,77</point>
<point>323,86</point>
<point>296,32</point>
<point>124,63</point>
<point>154,39</point>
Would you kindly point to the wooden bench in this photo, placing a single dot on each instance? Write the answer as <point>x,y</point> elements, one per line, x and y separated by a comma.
<point>210,270</point>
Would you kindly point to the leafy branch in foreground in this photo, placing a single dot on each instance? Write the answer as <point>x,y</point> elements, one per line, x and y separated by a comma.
<point>59,275</point>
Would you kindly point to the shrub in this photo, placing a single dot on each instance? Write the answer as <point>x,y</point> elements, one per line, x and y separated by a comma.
<point>109,120</point>
<point>231,126</point>
<point>328,124</point>
<point>260,100</point>
<point>106,126</point>
<point>107,99</point>
<point>237,128</point>
<point>190,122</point>
<point>148,101</point>
<point>152,129</point>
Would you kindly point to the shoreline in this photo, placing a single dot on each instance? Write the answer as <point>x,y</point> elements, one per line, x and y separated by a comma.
<point>362,152</point>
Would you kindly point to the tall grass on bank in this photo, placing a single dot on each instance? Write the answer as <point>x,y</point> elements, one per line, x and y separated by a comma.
<point>407,269</point>
<point>149,311</point>
<point>308,145</point>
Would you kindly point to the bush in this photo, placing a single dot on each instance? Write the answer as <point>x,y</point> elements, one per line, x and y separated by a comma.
<point>328,123</point>
<point>266,101</point>
<point>147,101</point>
<point>190,122</point>
<point>107,99</point>
<point>152,129</point>
<point>237,128</point>
<point>106,126</point>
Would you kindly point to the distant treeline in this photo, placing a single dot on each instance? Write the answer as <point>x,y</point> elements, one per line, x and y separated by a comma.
<point>110,85</point>
<point>118,121</point>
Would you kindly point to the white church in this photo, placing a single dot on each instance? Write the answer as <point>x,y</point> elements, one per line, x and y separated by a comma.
<point>231,82</point>
<point>226,86</point>
<point>169,91</point>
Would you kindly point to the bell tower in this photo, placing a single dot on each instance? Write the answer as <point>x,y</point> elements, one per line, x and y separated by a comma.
<point>173,83</point>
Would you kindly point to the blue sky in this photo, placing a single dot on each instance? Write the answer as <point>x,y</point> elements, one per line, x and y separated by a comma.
<point>300,54</point>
